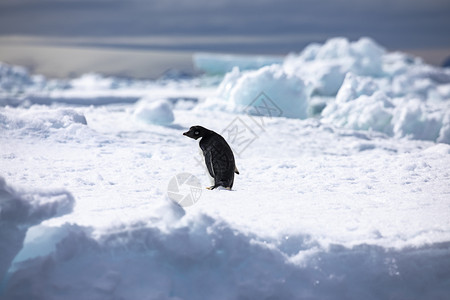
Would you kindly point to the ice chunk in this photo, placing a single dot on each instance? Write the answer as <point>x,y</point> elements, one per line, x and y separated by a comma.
<point>363,113</point>
<point>287,94</point>
<point>444,133</point>
<point>412,120</point>
<point>360,104</point>
<point>154,111</point>
<point>326,65</point>
<point>19,210</point>
<point>228,83</point>
<point>420,80</point>
<point>355,86</point>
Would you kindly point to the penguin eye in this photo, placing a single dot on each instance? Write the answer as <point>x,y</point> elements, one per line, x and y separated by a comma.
<point>196,133</point>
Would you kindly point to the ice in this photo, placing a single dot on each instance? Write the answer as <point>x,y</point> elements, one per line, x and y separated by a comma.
<point>19,88</point>
<point>201,257</point>
<point>13,78</point>
<point>223,63</point>
<point>154,111</point>
<point>360,104</point>
<point>41,121</point>
<point>363,113</point>
<point>20,210</point>
<point>343,191</point>
<point>289,92</point>
<point>414,121</point>
<point>355,85</point>
<point>444,133</point>
<point>326,65</point>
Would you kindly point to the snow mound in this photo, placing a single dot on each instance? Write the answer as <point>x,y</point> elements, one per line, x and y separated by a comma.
<point>361,105</point>
<point>13,78</point>
<point>363,113</point>
<point>19,210</point>
<point>355,86</point>
<point>286,95</point>
<point>421,81</point>
<point>417,121</point>
<point>326,65</point>
<point>40,121</point>
<point>201,257</point>
<point>14,81</point>
<point>157,112</point>
<point>223,63</point>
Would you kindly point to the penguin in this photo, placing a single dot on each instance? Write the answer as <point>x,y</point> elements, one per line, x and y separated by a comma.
<point>219,158</point>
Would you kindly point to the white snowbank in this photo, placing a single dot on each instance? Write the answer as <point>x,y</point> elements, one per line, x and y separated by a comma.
<point>223,63</point>
<point>285,95</point>
<point>19,210</point>
<point>157,112</point>
<point>393,93</point>
<point>363,113</point>
<point>200,257</point>
<point>360,105</point>
<point>40,121</point>
<point>326,65</point>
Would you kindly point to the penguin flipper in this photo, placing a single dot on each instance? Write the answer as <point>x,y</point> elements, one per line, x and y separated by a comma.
<point>208,162</point>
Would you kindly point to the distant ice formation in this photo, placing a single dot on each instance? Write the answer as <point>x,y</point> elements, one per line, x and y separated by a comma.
<point>222,63</point>
<point>157,112</point>
<point>348,84</point>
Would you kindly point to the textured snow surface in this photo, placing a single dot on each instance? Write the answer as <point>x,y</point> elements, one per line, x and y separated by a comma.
<point>20,210</point>
<point>342,194</point>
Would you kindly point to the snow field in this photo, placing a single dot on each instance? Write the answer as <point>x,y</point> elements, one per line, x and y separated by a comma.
<point>343,190</point>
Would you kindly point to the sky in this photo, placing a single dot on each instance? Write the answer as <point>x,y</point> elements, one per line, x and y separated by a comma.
<point>225,26</point>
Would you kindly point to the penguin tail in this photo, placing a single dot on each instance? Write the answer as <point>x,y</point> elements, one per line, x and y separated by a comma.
<point>236,170</point>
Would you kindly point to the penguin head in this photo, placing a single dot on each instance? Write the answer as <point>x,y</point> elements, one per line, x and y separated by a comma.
<point>196,132</point>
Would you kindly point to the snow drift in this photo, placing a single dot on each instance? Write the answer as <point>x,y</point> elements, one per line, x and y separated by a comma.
<point>20,210</point>
<point>201,257</point>
<point>360,104</point>
<point>42,122</point>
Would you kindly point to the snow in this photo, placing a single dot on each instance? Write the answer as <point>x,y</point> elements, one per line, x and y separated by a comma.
<point>156,112</point>
<point>240,89</point>
<point>343,193</point>
<point>20,210</point>
<point>361,105</point>
<point>326,65</point>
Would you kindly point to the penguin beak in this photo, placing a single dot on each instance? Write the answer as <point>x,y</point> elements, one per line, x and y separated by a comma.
<point>185,133</point>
